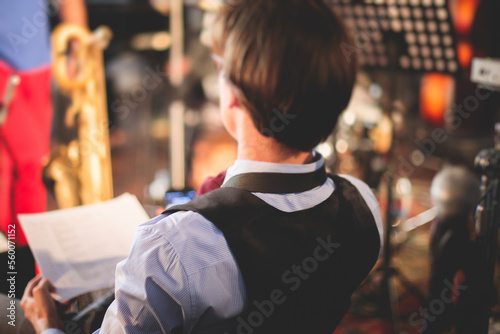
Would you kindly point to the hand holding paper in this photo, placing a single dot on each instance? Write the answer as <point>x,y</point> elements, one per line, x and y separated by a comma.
<point>78,249</point>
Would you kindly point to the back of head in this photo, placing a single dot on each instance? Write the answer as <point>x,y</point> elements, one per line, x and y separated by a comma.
<point>285,61</point>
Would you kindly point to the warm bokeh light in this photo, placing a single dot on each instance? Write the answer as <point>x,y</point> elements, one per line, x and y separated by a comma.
<point>213,153</point>
<point>435,97</point>
<point>464,11</point>
<point>465,54</point>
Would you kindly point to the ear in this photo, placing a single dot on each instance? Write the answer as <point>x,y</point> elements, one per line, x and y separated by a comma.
<point>228,96</point>
<point>234,101</point>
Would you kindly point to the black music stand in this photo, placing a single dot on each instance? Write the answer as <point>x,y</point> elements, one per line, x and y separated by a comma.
<point>399,35</point>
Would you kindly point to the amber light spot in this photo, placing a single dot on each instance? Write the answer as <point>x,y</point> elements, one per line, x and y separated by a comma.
<point>436,93</point>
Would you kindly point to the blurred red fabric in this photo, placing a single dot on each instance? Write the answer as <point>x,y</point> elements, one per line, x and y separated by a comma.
<point>24,146</point>
<point>211,183</point>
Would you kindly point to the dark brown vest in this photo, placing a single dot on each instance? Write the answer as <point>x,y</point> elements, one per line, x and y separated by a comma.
<point>299,268</point>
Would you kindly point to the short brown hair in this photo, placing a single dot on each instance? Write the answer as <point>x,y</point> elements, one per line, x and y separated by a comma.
<point>284,58</point>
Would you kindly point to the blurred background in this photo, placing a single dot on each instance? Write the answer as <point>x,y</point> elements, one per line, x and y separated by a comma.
<point>421,101</point>
<point>415,111</point>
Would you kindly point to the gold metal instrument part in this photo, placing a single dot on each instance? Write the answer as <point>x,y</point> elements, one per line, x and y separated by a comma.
<point>81,170</point>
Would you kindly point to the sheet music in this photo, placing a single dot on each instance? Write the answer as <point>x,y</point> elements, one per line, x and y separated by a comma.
<point>3,243</point>
<point>77,249</point>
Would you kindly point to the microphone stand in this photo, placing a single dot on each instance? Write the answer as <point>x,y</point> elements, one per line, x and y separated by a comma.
<point>487,216</point>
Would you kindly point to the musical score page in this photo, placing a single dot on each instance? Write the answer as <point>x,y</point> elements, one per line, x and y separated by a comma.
<point>78,249</point>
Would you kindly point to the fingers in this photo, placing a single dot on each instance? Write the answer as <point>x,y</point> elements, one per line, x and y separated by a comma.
<point>45,285</point>
<point>39,307</point>
<point>43,289</point>
<point>39,286</point>
<point>31,285</point>
<point>28,292</point>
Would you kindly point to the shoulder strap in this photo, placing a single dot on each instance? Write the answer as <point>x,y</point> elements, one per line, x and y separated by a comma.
<point>228,201</point>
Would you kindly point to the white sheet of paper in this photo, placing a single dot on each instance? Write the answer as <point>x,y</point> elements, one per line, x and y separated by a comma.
<point>78,249</point>
<point>4,244</point>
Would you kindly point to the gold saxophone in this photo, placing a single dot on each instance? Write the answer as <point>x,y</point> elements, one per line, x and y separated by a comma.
<point>81,170</point>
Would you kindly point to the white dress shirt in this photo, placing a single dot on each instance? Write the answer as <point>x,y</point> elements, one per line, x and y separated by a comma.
<point>180,274</point>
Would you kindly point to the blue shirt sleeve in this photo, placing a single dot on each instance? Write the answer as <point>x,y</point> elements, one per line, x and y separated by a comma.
<point>52,331</point>
<point>152,290</point>
<point>180,276</point>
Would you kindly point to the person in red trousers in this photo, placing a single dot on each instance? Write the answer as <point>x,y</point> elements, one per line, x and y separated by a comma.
<point>26,121</point>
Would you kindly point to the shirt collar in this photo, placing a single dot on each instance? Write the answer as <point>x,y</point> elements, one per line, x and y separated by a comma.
<point>249,166</point>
